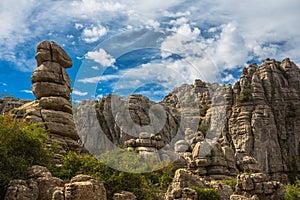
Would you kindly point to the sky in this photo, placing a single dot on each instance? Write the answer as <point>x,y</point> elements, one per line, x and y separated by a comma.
<point>146,47</point>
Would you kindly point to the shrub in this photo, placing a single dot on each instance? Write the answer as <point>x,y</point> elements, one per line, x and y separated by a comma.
<point>143,185</point>
<point>203,110</point>
<point>293,191</point>
<point>21,146</point>
<point>207,193</point>
<point>232,183</point>
<point>245,95</point>
<point>203,128</point>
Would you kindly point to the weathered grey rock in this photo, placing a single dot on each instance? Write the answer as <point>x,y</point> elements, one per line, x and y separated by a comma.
<point>43,186</point>
<point>52,109</point>
<point>258,185</point>
<point>264,122</point>
<point>22,190</point>
<point>50,51</point>
<point>124,195</point>
<point>84,187</point>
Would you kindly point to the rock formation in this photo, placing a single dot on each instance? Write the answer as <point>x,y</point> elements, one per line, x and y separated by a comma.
<point>41,185</point>
<point>258,186</point>
<point>183,179</point>
<point>124,195</point>
<point>250,127</point>
<point>8,103</point>
<point>264,119</point>
<point>52,108</point>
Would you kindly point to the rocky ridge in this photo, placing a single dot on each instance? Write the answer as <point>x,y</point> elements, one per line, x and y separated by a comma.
<point>259,119</point>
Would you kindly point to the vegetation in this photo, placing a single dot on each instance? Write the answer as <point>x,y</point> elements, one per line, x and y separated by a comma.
<point>203,110</point>
<point>293,191</point>
<point>207,193</point>
<point>245,96</point>
<point>232,183</point>
<point>143,185</point>
<point>203,128</point>
<point>21,146</point>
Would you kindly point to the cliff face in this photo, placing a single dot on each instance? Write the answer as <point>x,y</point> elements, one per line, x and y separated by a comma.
<point>264,119</point>
<point>258,118</point>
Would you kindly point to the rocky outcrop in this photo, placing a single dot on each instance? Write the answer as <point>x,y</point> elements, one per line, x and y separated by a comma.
<point>52,108</point>
<point>124,195</point>
<point>183,179</point>
<point>264,120</point>
<point>41,185</point>
<point>8,103</point>
<point>258,186</point>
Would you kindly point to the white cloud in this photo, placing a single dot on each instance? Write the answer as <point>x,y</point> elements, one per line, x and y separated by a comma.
<point>93,34</point>
<point>238,33</point>
<point>152,24</point>
<point>95,68</point>
<point>177,14</point>
<point>79,93</point>
<point>101,57</point>
<point>96,79</point>
<point>27,91</point>
<point>3,84</point>
<point>78,26</point>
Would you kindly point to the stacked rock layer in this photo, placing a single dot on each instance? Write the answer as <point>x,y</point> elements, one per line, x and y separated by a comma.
<point>51,87</point>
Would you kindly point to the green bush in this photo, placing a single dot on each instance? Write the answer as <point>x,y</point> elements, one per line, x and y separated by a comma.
<point>203,128</point>
<point>203,110</point>
<point>207,193</point>
<point>245,95</point>
<point>143,185</point>
<point>293,191</point>
<point>21,146</point>
<point>232,183</point>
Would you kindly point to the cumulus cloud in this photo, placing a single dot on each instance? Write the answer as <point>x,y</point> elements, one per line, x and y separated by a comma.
<point>79,93</point>
<point>211,35</point>
<point>93,34</point>
<point>102,57</point>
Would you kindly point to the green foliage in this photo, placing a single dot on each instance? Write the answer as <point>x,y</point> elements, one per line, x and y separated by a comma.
<point>245,95</point>
<point>21,146</point>
<point>293,191</point>
<point>100,105</point>
<point>206,193</point>
<point>232,183</point>
<point>203,128</point>
<point>203,110</point>
<point>143,185</point>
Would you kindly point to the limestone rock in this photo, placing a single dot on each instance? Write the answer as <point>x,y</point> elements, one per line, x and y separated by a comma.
<point>263,121</point>
<point>258,186</point>
<point>84,187</point>
<point>43,186</point>
<point>22,190</point>
<point>124,195</point>
<point>52,109</point>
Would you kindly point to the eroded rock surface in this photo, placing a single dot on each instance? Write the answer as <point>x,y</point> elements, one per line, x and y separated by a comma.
<point>41,185</point>
<point>52,108</point>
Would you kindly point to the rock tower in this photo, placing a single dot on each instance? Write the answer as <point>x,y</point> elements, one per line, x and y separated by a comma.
<point>51,87</point>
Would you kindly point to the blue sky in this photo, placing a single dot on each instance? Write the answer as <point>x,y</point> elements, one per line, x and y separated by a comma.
<point>147,47</point>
